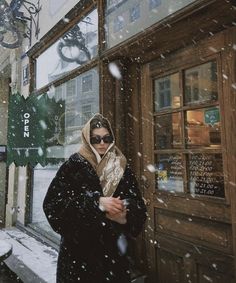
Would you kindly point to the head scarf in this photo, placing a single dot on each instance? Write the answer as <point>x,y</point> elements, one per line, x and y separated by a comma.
<point>110,167</point>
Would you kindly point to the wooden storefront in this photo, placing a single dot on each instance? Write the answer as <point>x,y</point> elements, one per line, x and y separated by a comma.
<point>174,115</point>
<point>184,147</point>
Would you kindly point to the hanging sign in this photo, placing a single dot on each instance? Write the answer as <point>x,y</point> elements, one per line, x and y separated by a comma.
<point>32,125</point>
<point>25,135</point>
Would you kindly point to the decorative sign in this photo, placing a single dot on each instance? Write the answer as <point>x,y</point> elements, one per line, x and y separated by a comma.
<point>212,116</point>
<point>32,125</point>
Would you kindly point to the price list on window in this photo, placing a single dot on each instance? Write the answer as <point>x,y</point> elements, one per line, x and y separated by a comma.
<point>206,174</point>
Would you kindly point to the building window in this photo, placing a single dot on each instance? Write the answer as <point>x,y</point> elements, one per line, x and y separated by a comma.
<point>134,13</point>
<point>25,75</point>
<point>86,113</point>
<point>71,88</point>
<point>87,83</point>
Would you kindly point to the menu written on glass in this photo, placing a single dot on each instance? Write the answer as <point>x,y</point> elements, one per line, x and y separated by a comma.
<point>206,174</point>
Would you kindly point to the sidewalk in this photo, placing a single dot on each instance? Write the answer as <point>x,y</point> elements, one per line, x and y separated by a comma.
<point>31,260</point>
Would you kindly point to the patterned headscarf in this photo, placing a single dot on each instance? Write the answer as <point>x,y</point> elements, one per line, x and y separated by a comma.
<point>110,167</point>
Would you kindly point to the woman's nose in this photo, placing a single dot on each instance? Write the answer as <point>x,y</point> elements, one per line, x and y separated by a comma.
<point>102,142</point>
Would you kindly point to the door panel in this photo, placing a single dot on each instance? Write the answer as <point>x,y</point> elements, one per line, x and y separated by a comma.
<point>189,230</point>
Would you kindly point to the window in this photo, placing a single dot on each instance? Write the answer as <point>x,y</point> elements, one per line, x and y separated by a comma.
<point>187,132</point>
<point>66,115</point>
<point>125,18</point>
<point>75,48</point>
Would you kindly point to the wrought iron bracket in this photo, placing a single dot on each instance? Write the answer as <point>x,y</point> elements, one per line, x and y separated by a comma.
<point>31,16</point>
<point>18,11</point>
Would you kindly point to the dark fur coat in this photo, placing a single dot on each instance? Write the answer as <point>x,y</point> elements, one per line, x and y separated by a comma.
<point>93,248</point>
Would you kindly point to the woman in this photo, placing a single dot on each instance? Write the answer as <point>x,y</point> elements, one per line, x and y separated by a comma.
<point>95,205</point>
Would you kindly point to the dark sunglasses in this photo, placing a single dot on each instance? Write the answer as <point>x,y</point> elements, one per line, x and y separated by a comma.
<point>98,139</point>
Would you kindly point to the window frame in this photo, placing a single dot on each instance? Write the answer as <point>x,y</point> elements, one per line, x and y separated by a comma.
<point>160,71</point>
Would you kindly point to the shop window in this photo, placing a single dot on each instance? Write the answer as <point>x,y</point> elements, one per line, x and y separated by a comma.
<point>75,48</point>
<point>67,112</point>
<point>42,179</point>
<point>125,18</point>
<point>187,132</point>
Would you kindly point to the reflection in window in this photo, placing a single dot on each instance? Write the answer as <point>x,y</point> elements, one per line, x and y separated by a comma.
<point>201,83</point>
<point>75,48</point>
<point>134,13</point>
<point>71,88</point>
<point>203,127</point>
<point>42,179</point>
<point>118,23</point>
<point>154,4</point>
<point>87,83</point>
<point>206,174</point>
<point>122,14</point>
<point>169,172</point>
<point>167,94</point>
<point>66,111</point>
<point>168,131</point>
<point>86,113</point>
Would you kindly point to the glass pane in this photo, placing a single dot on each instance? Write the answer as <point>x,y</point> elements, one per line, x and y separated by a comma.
<point>69,107</point>
<point>167,92</point>
<point>169,172</point>
<point>201,83</point>
<point>125,18</point>
<point>203,127</point>
<point>42,178</point>
<point>73,49</point>
<point>206,174</point>
<point>167,131</point>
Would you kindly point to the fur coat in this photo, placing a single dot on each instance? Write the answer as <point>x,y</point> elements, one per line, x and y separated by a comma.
<point>93,248</point>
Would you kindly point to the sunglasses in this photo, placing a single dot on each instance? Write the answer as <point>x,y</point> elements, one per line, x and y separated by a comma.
<point>98,139</point>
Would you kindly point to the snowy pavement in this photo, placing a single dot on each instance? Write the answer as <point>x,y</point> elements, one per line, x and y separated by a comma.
<point>31,260</point>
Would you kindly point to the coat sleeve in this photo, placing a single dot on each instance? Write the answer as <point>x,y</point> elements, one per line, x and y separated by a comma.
<point>71,206</point>
<point>137,213</point>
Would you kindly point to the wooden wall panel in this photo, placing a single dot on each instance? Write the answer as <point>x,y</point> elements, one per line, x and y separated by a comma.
<point>204,232</point>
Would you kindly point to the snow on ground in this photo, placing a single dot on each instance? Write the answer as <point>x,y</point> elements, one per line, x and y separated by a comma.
<point>31,260</point>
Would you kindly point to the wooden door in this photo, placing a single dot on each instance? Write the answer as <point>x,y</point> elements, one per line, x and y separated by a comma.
<point>189,231</point>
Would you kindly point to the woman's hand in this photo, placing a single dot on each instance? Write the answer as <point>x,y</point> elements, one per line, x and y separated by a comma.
<point>111,205</point>
<point>119,217</point>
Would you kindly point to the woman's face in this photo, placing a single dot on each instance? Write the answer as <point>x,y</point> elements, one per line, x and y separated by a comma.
<point>101,147</point>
